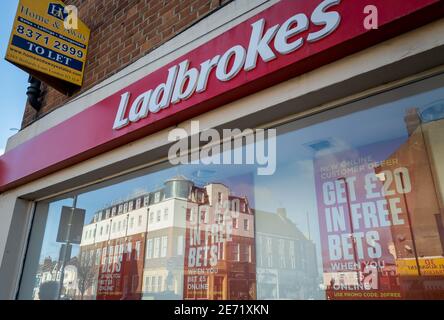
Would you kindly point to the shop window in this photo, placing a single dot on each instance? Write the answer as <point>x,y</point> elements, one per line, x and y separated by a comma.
<point>259,251</point>
<point>236,205</point>
<point>153,283</point>
<point>163,252</point>
<point>220,218</point>
<point>203,216</point>
<point>356,185</point>
<point>130,206</point>
<point>234,252</point>
<point>129,250</point>
<point>283,263</point>
<point>156,252</point>
<point>149,249</point>
<point>221,252</point>
<point>137,250</point>
<point>147,287</point>
<point>245,253</point>
<point>291,251</point>
<point>270,261</point>
<point>293,262</point>
<point>180,245</point>
<point>269,245</point>
<point>281,247</point>
<point>104,256</point>
<point>91,258</point>
<point>159,284</point>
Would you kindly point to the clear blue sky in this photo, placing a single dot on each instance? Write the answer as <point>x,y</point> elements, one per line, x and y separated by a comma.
<point>13,81</point>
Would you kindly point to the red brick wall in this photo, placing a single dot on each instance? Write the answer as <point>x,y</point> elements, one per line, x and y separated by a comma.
<point>122,31</point>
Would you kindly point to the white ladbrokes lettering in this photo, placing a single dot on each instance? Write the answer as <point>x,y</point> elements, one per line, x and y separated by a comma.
<point>182,82</point>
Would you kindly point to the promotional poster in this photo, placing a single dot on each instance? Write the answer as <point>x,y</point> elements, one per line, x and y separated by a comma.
<point>370,200</point>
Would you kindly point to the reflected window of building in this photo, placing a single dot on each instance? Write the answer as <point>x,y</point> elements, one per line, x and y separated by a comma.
<point>149,249</point>
<point>180,244</point>
<point>130,206</point>
<point>235,223</point>
<point>163,252</point>
<point>131,223</point>
<point>156,252</point>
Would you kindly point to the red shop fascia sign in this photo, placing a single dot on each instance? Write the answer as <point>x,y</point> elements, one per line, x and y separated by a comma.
<point>287,39</point>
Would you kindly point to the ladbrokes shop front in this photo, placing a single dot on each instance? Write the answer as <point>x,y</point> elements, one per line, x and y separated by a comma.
<point>269,150</point>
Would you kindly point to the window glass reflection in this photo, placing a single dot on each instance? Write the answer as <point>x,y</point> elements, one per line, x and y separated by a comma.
<point>353,211</point>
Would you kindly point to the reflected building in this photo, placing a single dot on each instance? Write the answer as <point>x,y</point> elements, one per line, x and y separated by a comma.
<point>50,271</point>
<point>419,206</point>
<point>181,241</point>
<point>286,259</point>
<point>419,242</point>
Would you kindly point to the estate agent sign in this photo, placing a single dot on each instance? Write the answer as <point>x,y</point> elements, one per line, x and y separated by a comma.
<point>49,42</point>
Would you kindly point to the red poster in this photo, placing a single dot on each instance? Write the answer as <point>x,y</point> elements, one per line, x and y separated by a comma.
<point>356,218</point>
<point>120,273</point>
<point>377,206</point>
<point>220,248</point>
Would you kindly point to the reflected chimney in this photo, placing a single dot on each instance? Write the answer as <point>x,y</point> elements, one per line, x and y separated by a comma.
<point>282,212</point>
<point>412,120</point>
